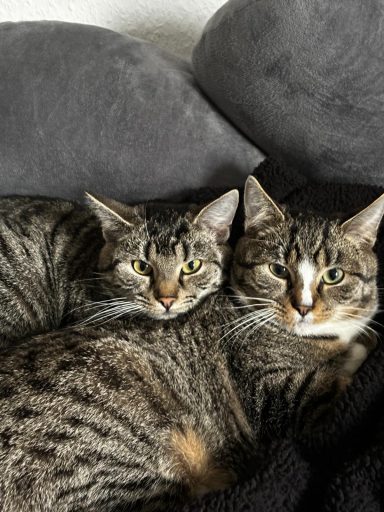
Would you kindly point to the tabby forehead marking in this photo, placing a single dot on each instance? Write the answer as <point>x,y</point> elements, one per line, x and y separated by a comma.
<point>307,272</point>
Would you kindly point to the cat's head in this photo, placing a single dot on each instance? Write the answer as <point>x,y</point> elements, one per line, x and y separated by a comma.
<point>310,275</point>
<point>164,263</point>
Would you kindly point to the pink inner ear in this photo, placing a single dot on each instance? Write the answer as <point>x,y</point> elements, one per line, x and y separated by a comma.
<point>222,233</point>
<point>364,225</point>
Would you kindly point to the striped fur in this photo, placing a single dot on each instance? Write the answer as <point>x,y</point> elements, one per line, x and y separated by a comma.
<point>57,268</point>
<point>47,250</point>
<point>302,339</point>
<point>151,414</point>
<point>308,247</point>
<point>148,414</point>
<point>140,415</point>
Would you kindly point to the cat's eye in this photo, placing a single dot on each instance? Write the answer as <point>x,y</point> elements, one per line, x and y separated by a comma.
<point>141,267</point>
<point>279,270</point>
<point>191,267</point>
<point>333,276</point>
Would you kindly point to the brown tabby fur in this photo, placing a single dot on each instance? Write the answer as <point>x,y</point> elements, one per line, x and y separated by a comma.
<point>145,415</point>
<point>61,263</point>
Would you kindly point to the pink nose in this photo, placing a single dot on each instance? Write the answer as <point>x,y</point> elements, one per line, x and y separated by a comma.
<point>303,310</point>
<point>167,302</point>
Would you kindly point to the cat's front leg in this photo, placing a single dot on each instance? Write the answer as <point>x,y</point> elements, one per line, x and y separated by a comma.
<point>358,353</point>
<point>356,356</point>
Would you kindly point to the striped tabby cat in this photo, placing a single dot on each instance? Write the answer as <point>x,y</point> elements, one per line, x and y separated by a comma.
<point>145,416</point>
<point>157,263</point>
<point>309,286</point>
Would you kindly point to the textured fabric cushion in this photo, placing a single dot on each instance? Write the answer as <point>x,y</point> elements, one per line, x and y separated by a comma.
<point>303,79</point>
<point>82,107</point>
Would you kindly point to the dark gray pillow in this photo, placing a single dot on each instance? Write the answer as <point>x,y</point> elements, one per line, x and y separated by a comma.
<point>303,79</point>
<point>82,107</point>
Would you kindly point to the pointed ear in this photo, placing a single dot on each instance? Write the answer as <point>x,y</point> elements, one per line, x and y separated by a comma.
<point>218,215</point>
<point>258,206</point>
<point>364,225</point>
<point>115,217</point>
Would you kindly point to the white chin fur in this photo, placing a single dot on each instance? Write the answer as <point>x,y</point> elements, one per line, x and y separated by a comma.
<point>345,330</point>
<point>167,315</point>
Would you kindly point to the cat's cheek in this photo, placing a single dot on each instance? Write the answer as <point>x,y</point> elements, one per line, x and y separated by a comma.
<point>106,255</point>
<point>290,318</point>
<point>210,275</point>
<point>124,274</point>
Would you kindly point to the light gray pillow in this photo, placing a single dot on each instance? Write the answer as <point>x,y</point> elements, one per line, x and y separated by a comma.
<point>303,79</point>
<point>84,108</point>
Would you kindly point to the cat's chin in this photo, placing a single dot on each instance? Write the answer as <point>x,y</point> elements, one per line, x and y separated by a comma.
<point>342,329</point>
<point>167,315</point>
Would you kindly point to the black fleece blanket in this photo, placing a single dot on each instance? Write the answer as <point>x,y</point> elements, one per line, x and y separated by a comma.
<point>340,467</point>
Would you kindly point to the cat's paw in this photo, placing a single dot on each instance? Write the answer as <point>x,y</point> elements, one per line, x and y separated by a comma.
<point>356,356</point>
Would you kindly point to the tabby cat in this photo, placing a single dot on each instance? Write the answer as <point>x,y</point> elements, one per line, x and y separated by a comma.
<point>56,267</point>
<point>145,416</point>
<point>309,285</point>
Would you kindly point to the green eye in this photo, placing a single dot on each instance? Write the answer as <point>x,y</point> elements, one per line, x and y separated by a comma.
<point>191,267</point>
<point>279,270</point>
<point>141,267</point>
<point>333,276</point>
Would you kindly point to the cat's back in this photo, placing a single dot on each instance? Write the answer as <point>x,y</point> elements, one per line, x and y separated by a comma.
<point>91,413</point>
<point>45,244</point>
<point>19,207</point>
<point>40,214</point>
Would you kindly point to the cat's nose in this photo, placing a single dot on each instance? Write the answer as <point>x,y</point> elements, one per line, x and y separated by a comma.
<point>167,302</point>
<point>303,310</point>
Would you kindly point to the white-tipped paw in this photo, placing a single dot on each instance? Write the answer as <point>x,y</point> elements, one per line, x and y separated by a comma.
<point>357,354</point>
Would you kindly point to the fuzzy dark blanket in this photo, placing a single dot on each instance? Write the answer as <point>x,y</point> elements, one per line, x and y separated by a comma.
<point>340,467</point>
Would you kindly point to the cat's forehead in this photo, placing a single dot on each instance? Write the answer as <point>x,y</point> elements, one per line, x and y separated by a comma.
<point>167,233</point>
<point>308,232</point>
<point>311,238</point>
<point>302,237</point>
<point>167,226</point>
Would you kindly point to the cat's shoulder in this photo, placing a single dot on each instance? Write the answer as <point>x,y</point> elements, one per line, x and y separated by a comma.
<point>36,205</point>
<point>42,212</point>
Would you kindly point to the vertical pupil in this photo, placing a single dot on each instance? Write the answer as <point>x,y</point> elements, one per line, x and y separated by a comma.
<point>143,266</point>
<point>191,265</point>
<point>334,274</point>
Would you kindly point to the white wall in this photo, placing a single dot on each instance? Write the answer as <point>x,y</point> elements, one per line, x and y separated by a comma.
<point>173,24</point>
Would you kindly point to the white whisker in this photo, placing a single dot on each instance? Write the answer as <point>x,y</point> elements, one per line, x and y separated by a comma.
<point>249,305</point>
<point>247,321</point>
<point>107,318</point>
<point>252,314</point>
<point>111,309</point>
<point>253,326</point>
<point>94,304</point>
<point>251,298</point>
<point>358,321</point>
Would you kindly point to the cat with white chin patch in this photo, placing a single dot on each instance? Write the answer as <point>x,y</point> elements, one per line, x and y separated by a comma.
<point>309,286</point>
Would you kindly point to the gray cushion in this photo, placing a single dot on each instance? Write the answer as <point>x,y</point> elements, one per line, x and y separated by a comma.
<point>303,79</point>
<point>82,107</point>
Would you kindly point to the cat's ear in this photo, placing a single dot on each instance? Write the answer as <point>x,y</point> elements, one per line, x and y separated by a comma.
<point>260,211</point>
<point>364,225</point>
<point>115,217</point>
<point>218,215</point>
